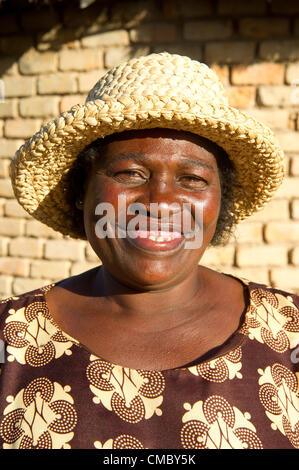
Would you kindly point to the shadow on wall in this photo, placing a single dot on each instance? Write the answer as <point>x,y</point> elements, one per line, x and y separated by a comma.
<point>54,24</point>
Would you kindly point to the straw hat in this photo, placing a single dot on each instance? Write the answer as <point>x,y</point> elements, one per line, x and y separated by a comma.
<point>159,90</point>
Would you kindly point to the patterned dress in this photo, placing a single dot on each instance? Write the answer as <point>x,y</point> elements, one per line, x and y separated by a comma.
<point>55,393</point>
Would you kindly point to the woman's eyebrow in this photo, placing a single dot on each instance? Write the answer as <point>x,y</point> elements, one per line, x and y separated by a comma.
<point>199,163</point>
<point>137,157</point>
<point>141,158</point>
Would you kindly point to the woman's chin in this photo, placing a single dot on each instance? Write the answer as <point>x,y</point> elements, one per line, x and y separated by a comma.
<point>148,278</point>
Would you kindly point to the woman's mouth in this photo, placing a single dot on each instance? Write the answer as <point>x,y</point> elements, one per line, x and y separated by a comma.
<point>155,240</point>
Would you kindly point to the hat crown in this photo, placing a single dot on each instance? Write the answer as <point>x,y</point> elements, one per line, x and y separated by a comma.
<point>162,75</point>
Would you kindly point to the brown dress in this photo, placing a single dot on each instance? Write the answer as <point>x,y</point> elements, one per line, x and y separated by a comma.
<point>55,393</point>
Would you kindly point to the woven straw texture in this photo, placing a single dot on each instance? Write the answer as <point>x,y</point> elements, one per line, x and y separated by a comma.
<point>159,90</point>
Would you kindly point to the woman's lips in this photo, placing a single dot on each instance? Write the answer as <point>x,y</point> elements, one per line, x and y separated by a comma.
<point>155,240</point>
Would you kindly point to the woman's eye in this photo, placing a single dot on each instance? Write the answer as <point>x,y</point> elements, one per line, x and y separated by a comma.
<point>193,180</point>
<point>128,175</point>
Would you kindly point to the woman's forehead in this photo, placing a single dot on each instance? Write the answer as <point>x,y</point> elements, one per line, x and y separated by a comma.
<point>150,140</point>
<point>158,133</point>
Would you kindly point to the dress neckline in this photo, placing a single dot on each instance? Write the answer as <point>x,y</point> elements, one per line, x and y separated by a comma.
<point>235,340</point>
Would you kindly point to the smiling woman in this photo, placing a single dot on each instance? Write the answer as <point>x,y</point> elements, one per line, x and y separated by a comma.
<point>151,349</point>
<point>227,175</point>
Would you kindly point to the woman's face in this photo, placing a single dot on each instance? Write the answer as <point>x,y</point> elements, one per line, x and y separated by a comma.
<point>161,166</point>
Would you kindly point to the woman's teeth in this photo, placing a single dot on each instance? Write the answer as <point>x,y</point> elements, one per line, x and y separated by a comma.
<point>158,236</point>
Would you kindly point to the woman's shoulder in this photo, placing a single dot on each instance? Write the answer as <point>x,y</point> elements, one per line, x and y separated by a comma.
<point>273,316</point>
<point>16,302</point>
<point>258,290</point>
<point>271,308</point>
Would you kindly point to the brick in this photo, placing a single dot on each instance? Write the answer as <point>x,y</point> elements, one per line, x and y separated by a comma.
<point>8,66</point>
<point>11,227</point>
<point>276,209</point>
<point>15,45</point>
<point>261,255</point>
<point>75,17</point>
<point>19,86</point>
<point>285,278</point>
<point>8,109</point>
<point>155,32</point>
<point>5,287</point>
<point>59,83</point>
<point>108,38</point>
<point>229,52</point>
<point>249,232</point>
<point>34,62</point>
<point>288,189</point>
<point>6,188</point>
<point>285,7</point>
<point>117,55</point>
<point>263,28</point>
<point>4,168</point>
<point>292,73</point>
<point>288,141</point>
<point>294,170</point>
<point>58,38</point>
<point>21,128</point>
<point>286,162</point>
<point>295,256</point>
<point>22,285</point>
<point>235,7</point>
<point>8,24</point>
<point>280,50</point>
<point>194,51</point>
<point>90,254</point>
<point>277,119</point>
<point>86,59</point>
<point>191,9</point>
<point>295,209</point>
<point>39,19</point>
<point>14,266</point>
<point>3,246</point>
<point>24,247</point>
<point>207,30</point>
<point>222,72</point>
<point>287,231</point>
<point>9,147</point>
<point>132,13</point>
<point>258,74</point>
<point>216,256</point>
<point>39,106</point>
<point>49,269</point>
<point>2,203</point>
<point>65,249</point>
<point>82,266</point>
<point>34,228</point>
<point>241,96</point>
<point>70,100</point>
<point>87,80</point>
<point>259,275</point>
<point>276,95</point>
<point>13,209</point>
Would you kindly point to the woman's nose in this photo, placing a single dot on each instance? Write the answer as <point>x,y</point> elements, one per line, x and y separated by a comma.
<point>160,197</point>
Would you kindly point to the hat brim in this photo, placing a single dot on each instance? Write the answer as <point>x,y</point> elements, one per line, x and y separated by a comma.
<point>39,170</point>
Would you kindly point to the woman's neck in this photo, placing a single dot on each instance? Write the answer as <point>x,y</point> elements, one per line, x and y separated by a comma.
<point>167,303</point>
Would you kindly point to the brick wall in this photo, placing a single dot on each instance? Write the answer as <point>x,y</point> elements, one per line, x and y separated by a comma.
<point>50,58</point>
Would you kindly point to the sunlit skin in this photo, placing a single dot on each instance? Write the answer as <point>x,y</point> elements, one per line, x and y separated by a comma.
<point>172,167</point>
<point>144,308</point>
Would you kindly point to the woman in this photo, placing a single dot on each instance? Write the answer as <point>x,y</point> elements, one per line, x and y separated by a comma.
<point>151,349</point>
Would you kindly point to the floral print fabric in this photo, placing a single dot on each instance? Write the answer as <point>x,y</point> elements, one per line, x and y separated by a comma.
<point>54,393</point>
